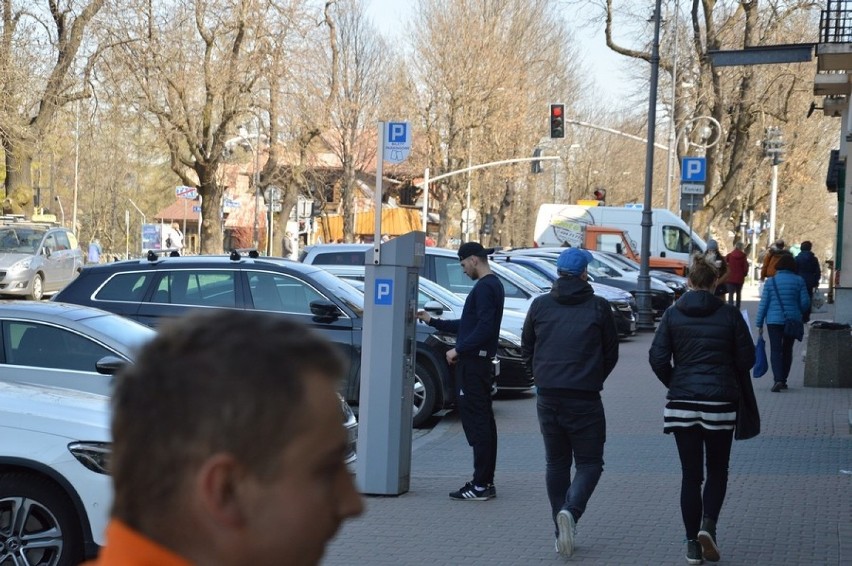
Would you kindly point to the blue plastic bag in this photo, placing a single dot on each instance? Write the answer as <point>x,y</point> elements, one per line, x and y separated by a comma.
<point>761,364</point>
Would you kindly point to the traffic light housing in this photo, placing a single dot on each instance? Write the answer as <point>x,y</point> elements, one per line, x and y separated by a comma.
<point>557,121</point>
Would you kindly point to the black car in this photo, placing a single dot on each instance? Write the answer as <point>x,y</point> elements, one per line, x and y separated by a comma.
<point>157,288</point>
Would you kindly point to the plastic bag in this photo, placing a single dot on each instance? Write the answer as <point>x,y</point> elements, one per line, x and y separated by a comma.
<point>761,364</point>
<point>819,299</point>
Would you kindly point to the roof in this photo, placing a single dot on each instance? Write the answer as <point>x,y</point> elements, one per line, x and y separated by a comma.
<point>180,209</point>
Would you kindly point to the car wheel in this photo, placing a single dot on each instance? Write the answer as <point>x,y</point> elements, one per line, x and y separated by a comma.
<point>425,395</point>
<point>38,524</point>
<point>37,288</point>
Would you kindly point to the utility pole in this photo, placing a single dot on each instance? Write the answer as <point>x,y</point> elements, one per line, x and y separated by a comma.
<point>773,146</point>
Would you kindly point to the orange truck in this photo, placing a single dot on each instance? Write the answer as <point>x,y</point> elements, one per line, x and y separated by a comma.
<point>580,232</point>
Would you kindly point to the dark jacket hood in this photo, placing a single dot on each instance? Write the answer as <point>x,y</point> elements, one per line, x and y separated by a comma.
<point>571,291</point>
<point>698,303</point>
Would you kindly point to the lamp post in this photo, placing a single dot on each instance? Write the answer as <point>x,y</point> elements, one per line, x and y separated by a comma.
<point>61,210</point>
<point>142,226</point>
<point>255,179</point>
<point>773,146</point>
<point>708,126</point>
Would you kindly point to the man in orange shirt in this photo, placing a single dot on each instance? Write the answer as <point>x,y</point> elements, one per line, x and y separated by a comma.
<point>771,259</point>
<point>228,447</point>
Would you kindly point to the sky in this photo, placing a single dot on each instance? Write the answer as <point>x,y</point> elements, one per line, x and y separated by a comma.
<point>389,15</point>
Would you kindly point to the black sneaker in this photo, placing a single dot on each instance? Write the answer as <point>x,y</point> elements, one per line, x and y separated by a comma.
<point>693,552</point>
<point>777,386</point>
<point>469,493</point>
<point>783,385</point>
<point>709,550</point>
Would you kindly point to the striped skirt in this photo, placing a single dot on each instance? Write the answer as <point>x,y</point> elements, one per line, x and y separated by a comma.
<point>712,415</point>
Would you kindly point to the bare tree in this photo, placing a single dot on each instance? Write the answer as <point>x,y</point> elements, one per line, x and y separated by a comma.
<point>41,70</point>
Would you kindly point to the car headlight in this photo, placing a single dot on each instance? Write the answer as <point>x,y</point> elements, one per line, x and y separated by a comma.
<point>447,339</point>
<point>21,265</point>
<point>94,455</point>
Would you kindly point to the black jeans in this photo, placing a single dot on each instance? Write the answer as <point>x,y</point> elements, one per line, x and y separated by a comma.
<point>735,293</point>
<point>473,400</point>
<point>574,431</point>
<point>691,443</point>
<point>780,352</point>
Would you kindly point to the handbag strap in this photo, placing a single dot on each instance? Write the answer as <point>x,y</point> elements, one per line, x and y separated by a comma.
<point>777,294</point>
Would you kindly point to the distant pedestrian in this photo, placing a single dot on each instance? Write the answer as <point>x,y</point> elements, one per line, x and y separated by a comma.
<point>94,253</point>
<point>287,245</point>
<point>784,296</point>
<point>737,270</point>
<point>570,344</point>
<point>174,238</point>
<point>702,352</point>
<point>809,270</point>
<point>770,260</point>
<point>477,332</point>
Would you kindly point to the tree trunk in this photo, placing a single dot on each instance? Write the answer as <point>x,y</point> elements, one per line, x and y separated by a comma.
<point>19,179</point>
<point>211,192</point>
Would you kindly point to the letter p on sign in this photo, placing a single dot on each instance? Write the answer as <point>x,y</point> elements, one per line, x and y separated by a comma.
<point>384,292</point>
<point>693,170</point>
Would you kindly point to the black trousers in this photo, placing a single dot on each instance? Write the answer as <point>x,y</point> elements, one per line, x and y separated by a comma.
<point>473,400</point>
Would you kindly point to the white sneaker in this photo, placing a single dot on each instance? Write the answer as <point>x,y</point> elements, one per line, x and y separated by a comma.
<point>565,539</point>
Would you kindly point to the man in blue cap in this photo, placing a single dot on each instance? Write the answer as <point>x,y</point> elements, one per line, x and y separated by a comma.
<point>571,344</point>
<point>477,332</point>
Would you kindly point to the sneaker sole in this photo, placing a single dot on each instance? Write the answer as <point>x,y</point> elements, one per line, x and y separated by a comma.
<point>565,538</point>
<point>477,498</point>
<point>708,548</point>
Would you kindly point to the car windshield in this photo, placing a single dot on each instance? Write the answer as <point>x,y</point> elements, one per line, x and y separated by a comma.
<point>20,239</point>
<point>123,329</point>
<point>529,274</point>
<point>629,265</point>
<point>341,289</point>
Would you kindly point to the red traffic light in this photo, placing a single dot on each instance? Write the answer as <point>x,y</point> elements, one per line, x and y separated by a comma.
<point>557,120</point>
<point>600,194</point>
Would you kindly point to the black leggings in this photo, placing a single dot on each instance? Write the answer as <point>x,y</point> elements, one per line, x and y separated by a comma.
<point>691,443</point>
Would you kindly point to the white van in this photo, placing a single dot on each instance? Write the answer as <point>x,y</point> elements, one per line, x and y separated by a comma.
<point>670,236</point>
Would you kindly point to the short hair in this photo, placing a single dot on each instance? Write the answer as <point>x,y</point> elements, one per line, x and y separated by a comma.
<point>703,273</point>
<point>786,261</point>
<point>806,246</point>
<point>230,381</point>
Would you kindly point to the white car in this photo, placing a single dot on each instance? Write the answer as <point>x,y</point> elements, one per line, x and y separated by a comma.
<point>55,489</point>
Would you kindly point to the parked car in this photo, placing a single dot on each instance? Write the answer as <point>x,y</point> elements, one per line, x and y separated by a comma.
<point>602,272</point>
<point>621,302</point>
<point>440,265</point>
<point>37,259</point>
<point>440,302</point>
<point>64,345</point>
<point>676,283</point>
<point>156,288</point>
<point>55,488</point>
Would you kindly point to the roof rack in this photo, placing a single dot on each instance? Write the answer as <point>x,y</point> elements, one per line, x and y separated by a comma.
<point>237,253</point>
<point>153,255</point>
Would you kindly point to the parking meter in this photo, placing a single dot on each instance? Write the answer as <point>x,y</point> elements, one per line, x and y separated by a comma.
<point>389,349</point>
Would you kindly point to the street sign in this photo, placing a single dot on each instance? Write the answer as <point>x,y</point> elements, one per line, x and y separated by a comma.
<point>230,203</point>
<point>190,193</point>
<point>397,142</point>
<point>469,215</point>
<point>272,194</point>
<point>691,203</point>
<point>692,189</point>
<point>693,170</point>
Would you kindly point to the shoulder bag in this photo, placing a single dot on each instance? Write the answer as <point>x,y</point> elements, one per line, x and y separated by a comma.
<point>792,327</point>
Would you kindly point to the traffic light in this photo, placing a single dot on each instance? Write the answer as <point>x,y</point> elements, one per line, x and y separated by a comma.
<point>557,121</point>
<point>600,195</point>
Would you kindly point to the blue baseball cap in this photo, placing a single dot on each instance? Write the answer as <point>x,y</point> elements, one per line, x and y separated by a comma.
<point>573,261</point>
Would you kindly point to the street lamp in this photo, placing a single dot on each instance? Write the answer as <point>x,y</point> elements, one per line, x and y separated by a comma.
<point>255,178</point>
<point>61,210</point>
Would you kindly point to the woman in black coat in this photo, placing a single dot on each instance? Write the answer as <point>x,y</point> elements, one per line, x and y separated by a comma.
<point>701,352</point>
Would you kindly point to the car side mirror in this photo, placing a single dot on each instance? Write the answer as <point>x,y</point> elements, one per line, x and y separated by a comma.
<point>46,251</point>
<point>109,365</point>
<point>325,311</point>
<point>434,308</point>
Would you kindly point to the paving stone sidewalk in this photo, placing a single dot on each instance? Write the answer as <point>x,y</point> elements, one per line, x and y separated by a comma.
<point>789,496</point>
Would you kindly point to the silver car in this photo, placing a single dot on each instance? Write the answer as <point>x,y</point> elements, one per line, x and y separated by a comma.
<point>37,259</point>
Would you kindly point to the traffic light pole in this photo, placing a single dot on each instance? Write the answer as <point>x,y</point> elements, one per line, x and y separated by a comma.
<point>773,200</point>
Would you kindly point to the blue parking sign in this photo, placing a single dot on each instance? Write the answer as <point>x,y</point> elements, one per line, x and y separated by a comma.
<point>693,169</point>
<point>384,292</point>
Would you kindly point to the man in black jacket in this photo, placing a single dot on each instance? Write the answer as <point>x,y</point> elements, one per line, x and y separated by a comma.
<point>571,343</point>
<point>477,332</point>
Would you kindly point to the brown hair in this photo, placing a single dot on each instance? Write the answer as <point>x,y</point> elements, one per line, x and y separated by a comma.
<point>704,273</point>
<point>229,382</point>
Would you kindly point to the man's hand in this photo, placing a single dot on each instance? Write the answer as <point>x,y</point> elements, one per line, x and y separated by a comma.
<point>452,356</point>
<point>424,316</point>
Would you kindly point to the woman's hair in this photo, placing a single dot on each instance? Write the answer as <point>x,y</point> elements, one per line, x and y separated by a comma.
<point>786,261</point>
<point>704,273</point>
